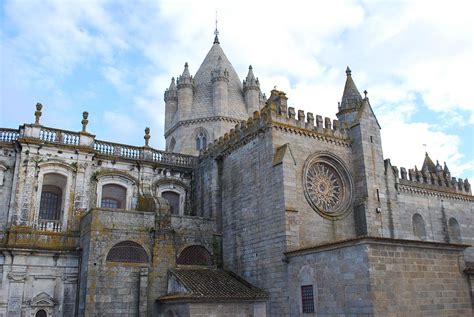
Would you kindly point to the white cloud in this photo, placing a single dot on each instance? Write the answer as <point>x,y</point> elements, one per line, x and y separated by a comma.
<point>401,52</point>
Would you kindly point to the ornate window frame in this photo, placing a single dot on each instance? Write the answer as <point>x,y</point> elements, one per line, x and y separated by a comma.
<point>66,171</point>
<point>328,185</point>
<point>173,186</point>
<point>116,179</point>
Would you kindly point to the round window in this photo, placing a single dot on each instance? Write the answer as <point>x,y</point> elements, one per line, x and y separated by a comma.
<point>327,185</point>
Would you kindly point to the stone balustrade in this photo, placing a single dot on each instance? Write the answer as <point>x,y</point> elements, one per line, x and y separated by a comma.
<point>58,136</point>
<point>8,135</point>
<point>48,225</point>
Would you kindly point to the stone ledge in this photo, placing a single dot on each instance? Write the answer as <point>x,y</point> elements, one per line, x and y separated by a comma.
<point>376,240</point>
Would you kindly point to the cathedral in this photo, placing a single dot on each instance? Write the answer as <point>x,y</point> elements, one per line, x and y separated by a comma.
<point>254,208</point>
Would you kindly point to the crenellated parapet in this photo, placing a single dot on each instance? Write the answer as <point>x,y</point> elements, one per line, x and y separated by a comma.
<point>431,177</point>
<point>277,115</point>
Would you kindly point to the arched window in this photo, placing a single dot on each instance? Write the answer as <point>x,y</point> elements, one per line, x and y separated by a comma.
<point>51,202</point>
<point>194,255</point>
<point>454,231</point>
<point>173,200</point>
<point>41,313</point>
<point>201,140</point>
<point>113,196</point>
<point>419,227</point>
<point>127,251</point>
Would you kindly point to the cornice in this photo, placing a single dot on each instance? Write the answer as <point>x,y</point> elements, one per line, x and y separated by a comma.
<point>200,120</point>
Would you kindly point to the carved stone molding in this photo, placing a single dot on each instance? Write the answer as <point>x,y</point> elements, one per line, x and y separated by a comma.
<point>17,276</point>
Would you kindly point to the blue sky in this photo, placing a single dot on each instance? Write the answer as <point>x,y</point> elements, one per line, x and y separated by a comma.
<point>115,59</point>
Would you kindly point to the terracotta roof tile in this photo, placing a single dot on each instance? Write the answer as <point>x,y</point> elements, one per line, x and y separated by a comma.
<point>208,283</point>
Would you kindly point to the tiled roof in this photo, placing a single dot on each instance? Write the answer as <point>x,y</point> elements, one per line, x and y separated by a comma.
<point>205,283</point>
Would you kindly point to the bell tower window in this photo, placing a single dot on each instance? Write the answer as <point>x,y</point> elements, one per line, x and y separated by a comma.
<point>201,140</point>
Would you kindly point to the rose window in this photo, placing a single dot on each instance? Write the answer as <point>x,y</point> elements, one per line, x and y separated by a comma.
<point>328,186</point>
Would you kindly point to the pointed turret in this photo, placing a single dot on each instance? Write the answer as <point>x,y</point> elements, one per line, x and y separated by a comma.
<point>185,93</point>
<point>171,92</point>
<point>250,80</point>
<point>171,104</point>
<point>252,94</point>
<point>220,82</point>
<point>446,171</point>
<point>351,97</point>
<point>186,76</point>
<point>428,164</point>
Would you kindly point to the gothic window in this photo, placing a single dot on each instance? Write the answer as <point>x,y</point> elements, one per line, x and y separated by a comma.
<point>113,196</point>
<point>173,200</point>
<point>41,313</point>
<point>194,255</point>
<point>127,251</point>
<point>51,200</point>
<point>453,231</point>
<point>419,227</point>
<point>201,140</point>
<point>307,299</point>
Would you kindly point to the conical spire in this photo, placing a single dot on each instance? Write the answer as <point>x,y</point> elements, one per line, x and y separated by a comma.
<point>172,85</point>
<point>351,97</point>
<point>171,92</point>
<point>428,164</point>
<point>186,70</point>
<point>250,80</point>
<point>185,78</point>
<point>250,74</point>
<point>216,33</point>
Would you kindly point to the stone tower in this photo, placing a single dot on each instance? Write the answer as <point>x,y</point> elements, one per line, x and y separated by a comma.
<point>356,113</point>
<point>203,108</point>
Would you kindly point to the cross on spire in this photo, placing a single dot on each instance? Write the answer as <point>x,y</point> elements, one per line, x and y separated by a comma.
<point>216,33</point>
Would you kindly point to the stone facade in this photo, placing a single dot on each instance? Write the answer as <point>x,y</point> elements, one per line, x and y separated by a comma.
<point>277,212</point>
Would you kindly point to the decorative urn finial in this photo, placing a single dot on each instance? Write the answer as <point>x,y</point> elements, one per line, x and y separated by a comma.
<point>84,121</point>
<point>147,136</point>
<point>38,113</point>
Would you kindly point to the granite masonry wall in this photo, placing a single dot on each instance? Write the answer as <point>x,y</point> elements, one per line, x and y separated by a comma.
<point>206,309</point>
<point>381,277</point>
<point>244,192</point>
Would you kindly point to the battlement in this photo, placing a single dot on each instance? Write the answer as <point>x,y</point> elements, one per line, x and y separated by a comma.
<point>438,179</point>
<point>276,114</point>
